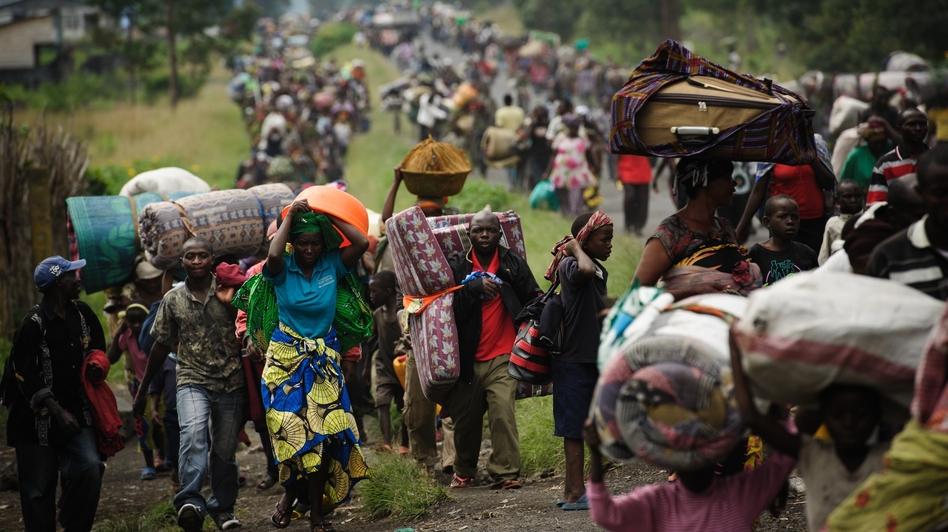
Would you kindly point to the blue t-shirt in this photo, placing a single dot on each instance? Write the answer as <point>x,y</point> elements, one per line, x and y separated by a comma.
<point>308,306</point>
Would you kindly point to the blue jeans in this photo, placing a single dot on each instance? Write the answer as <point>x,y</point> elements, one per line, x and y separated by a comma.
<point>208,420</point>
<point>38,468</point>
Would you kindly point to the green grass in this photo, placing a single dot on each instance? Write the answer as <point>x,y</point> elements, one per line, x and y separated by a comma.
<point>160,518</point>
<point>400,488</point>
<point>539,449</point>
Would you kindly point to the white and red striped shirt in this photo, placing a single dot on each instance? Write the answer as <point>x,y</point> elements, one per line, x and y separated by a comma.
<point>892,165</point>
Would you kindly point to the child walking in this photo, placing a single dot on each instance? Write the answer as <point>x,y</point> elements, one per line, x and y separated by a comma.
<point>577,266</point>
<point>831,470</point>
<point>779,256</point>
<point>383,293</point>
<point>850,198</point>
<point>696,500</point>
<point>126,341</point>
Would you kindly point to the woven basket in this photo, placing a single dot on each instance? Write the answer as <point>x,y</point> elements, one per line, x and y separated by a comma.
<point>435,169</point>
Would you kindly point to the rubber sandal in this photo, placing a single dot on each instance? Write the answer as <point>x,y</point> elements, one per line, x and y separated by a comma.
<point>581,503</point>
<point>461,482</point>
<point>383,448</point>
<point>402,450</point>
<point>561,502</point>
<point>511,484</point>
<point>280,517</point>
<point>324,526</point>
<point>266,483</point>
<point>149,473</point>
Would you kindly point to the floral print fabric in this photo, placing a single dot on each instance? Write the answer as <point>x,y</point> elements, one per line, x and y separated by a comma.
<point>570,169</point>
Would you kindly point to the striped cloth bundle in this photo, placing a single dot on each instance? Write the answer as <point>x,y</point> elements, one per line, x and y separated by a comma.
<point>234,221</point>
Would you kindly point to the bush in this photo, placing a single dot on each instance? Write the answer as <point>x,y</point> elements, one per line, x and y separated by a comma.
<point>400,488</point>
<point>477,193</point>
<point>79,90</point>
<point>331,36</point>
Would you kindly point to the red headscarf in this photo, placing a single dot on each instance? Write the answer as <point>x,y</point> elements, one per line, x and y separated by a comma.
<point>597,220</point>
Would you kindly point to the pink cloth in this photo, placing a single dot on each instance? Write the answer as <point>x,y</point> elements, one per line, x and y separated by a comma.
<point>128,341</point>
<point>570,169</point>
<point>731,503</point>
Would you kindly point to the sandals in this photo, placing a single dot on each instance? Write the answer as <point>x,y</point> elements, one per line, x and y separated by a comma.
<point>461,482</point>
<point>267,482</point>
<point>581,503</point>
<point>281,517</point>
<point>508,484</point>
<point>324,526</point>
<point>149,473</point>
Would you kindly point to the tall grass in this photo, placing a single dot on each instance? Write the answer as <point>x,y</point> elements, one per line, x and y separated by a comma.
<point>400,488</point>
<point>539,449</point>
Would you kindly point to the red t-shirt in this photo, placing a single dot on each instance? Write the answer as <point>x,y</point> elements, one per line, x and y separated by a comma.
<point>634,170</point>
<point>497,328</point>
<point>799,183</point>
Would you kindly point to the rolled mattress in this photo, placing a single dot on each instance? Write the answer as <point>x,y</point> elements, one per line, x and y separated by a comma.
<point>103,230</point>
<point>234,221</point>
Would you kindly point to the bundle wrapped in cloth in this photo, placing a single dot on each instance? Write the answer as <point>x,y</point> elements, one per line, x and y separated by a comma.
<point>435,169</point>
<point>103,230</point>
<point>666,395</point>
<point>911,491</point>
<point>807,332</point>
<point>234,221</point>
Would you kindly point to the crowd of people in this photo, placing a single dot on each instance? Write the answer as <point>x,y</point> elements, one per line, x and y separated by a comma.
<point>236,342</point>
<point>301,114</point>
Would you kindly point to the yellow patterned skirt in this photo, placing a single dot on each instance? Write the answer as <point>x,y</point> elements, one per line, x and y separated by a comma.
<point>308,413</point>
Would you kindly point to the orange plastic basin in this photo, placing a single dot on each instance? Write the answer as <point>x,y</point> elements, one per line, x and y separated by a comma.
<point>336,202</point>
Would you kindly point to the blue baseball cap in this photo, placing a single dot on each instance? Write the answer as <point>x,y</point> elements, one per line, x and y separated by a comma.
<point>53,268</point>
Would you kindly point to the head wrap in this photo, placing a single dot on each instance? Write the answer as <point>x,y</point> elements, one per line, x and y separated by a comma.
<point>310,222</point>
<point>694,172</point>
<point>597,220</point>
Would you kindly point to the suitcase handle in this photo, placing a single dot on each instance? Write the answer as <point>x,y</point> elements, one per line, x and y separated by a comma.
<point>701,136</point>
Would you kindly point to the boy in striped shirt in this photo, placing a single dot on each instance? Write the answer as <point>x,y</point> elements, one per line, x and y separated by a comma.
<point>900,162</point>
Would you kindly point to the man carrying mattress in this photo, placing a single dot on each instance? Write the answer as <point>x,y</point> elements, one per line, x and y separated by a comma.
<point>496,284</point>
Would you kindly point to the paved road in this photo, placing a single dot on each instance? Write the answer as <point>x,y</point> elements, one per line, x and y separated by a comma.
<point>660,204</point>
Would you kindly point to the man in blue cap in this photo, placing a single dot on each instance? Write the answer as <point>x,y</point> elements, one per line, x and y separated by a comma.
<point>50,425</point>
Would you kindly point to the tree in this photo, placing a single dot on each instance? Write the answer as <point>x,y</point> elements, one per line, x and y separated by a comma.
<point>185,18</point>
<point>857,35</point>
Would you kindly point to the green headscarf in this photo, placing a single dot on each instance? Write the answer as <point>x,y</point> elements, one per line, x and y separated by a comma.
<point>310,222</point>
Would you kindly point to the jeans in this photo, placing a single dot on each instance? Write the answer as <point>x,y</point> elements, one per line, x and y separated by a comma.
<point>38,468</point>
<point>203,413</point>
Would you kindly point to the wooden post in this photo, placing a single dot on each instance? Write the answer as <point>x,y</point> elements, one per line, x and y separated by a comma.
<point>41,225</point>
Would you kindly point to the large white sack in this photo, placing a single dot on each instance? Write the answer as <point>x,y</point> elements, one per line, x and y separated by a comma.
<point>809,331</point>
<point>845,114</point>
<point>164,181</point>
